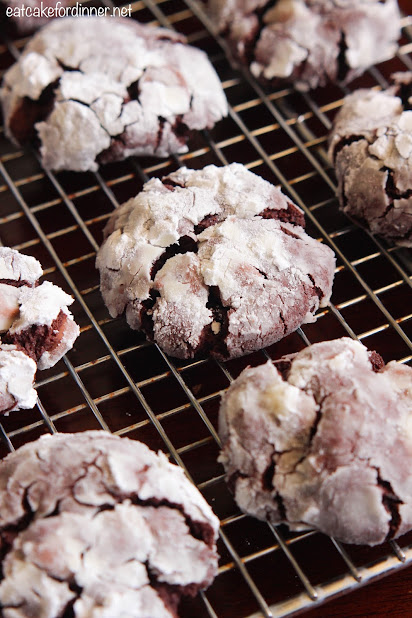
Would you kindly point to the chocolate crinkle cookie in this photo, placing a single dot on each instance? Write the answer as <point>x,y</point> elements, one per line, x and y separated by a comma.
<point>36,327</point>
<point>322,439</point>
<point>308,42</point>
<point>96,525</point>
<point>213,261</point>
<point>96,89</point>
<point>371,148</point>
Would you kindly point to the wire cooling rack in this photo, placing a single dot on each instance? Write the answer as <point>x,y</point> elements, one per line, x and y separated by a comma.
<point>116,381</point>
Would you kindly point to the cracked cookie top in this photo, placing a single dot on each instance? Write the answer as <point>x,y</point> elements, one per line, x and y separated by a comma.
<point>213,260</point>
<point>94,524</point>
<point>33,317</point>
<point>308,42</point>
<point>97,89</point>
<point>371,147</point>
<point>323,439</point>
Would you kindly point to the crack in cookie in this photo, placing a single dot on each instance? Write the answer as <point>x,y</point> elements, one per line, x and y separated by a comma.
<point>343,65</point>
<point>290,214</point>
<point>308,42</point>
<point>27,112</point>
<point>185,244</point>
<point>327,432</point>
<point>211,261</point>
<point>371,147</point>
<point>391,503</point>
<point>153,91</point>
<point>92,520</point>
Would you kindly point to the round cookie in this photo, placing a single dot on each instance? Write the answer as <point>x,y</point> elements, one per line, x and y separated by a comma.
<point>308,42</point>
<point>213,261</point>
<point>371,148</point>
<point>322,439</point>
<point>33,317</point>
<point>17,371</point>
<point>98,89</point>
<point>96,525</point>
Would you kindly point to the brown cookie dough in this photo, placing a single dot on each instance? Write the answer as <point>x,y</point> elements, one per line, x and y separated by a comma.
<point>325,442</point>
<point>98,89</point>
<point>371,148</point>
<point>95,525</point>
<point>308,42</point>
<point>33,317</point>
<point>213,261</point>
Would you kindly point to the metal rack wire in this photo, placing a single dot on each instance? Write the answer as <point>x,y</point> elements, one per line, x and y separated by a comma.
<point>115,380</point>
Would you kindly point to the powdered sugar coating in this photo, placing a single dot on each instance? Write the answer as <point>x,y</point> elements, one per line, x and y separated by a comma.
<point>208,261</point>
<point>114,530</point>
<point>15,266</point>
<point>107,88</point>
<point>17,373</point>
<point>34,317</point>
<point>40,305</point>
<point>288,461</point>
<point>371,146</point>
<point>308,42</point>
